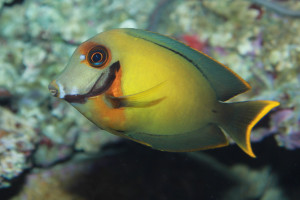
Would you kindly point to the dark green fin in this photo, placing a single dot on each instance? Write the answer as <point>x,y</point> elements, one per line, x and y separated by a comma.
<point>207,137</point>
<point>223,80</point>
<point>241,117</point>
<point>139,100</point>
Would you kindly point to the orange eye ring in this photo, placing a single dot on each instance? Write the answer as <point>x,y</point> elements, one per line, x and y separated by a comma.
<point>98,56</point>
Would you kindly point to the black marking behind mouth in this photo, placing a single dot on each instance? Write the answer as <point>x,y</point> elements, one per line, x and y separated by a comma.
<point>82,98</point>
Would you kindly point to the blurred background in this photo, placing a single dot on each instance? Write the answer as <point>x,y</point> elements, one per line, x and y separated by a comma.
<point>49,150</point>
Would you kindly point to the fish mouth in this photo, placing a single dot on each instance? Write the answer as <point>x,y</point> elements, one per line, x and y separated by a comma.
<point>102,84</point>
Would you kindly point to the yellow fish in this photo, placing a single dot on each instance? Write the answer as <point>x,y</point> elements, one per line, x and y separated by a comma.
<point>159,92</point>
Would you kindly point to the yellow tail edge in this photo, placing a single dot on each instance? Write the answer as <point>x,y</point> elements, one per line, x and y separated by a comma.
<point>243,117</point>
<point>264,111</point>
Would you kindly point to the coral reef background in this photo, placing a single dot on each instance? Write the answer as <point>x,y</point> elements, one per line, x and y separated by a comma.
<point>48,150</point>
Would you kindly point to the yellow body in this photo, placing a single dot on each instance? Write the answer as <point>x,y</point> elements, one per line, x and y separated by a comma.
<point>158,93</point>
<point>183,87</point>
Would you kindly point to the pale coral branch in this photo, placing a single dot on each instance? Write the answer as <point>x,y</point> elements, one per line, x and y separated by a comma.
<point>276,7</point>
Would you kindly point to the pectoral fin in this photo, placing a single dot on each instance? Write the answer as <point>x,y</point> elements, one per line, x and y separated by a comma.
<point>138,100</point>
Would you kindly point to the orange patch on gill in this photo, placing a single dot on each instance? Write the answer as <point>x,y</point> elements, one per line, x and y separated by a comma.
<point>104,115</point>
<point>115,89</point>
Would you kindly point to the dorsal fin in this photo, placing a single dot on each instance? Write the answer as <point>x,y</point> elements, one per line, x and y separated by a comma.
<point>223,80</point>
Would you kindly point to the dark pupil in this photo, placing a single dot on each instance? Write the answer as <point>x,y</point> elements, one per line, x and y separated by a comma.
<point>96,57</point>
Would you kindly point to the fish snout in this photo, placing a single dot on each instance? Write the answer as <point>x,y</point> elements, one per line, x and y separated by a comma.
<point>53,88</point>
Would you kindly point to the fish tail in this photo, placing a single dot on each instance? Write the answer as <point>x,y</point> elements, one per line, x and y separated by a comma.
<point>239,119</point>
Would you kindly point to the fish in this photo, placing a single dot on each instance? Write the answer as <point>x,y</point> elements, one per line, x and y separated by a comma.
<point>159,92</point>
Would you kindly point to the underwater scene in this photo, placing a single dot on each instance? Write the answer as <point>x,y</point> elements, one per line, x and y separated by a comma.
<point>150,100</point>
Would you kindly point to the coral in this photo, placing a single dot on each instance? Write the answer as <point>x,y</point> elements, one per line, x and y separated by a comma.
<point>121,173</point>
<point>259,45</point>
<point>35,46</point>
<point>17,143</point>
<point>278,8</point>
<point>50,183</point>
<point>124,174</point>
<point>256,184</point>
<point>38,37</point>
<point>194,42</point>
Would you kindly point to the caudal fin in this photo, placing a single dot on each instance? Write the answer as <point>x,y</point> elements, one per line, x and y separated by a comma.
<point>241,118</point>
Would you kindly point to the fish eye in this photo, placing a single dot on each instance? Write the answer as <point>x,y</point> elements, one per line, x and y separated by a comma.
<point>97,56</point>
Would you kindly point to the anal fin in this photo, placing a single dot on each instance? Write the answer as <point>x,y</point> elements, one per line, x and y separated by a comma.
<point>207,137</point>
